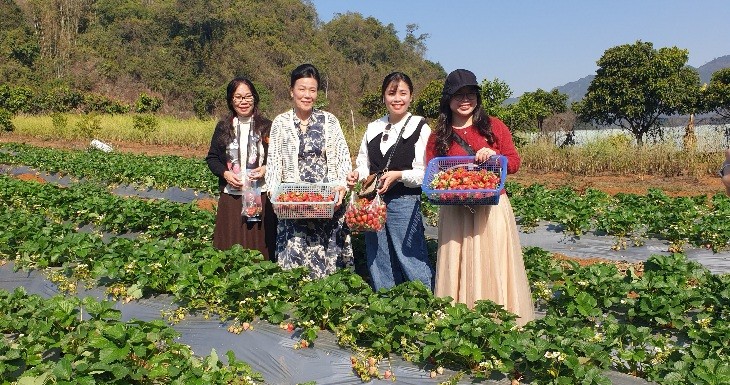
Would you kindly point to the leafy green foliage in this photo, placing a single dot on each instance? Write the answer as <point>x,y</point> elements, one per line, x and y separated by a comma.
<point>186,52</point>
<point>47,338</point>
<point>147,104</point>
<point>494,93</point>
<point>146,124</point>
<point>372,107</point>
<point>428,101</point>
<point>89,125</point>
<point>668,325</point>
<point>679,220</point>
<point>16,99</point>
<point>717,94</point>
<point>635,84</point>
<point>6,120</point>
<point>159,172</point>
<point>102,104</point>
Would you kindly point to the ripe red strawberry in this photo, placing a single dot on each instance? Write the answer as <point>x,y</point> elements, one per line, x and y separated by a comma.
<point>462,178</point>
<point>365,215</point>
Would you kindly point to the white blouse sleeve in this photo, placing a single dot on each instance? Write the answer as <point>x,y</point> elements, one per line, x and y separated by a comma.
<point>362,164</point>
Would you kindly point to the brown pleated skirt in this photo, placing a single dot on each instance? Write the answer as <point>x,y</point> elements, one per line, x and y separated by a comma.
<point>480,257</point>
<point>231,228</point>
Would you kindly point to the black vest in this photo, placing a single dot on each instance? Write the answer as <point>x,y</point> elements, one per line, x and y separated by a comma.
<point>405,153</point>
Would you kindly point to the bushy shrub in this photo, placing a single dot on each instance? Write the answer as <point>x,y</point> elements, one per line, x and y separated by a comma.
<point>103,104</point>
<point>372,106</point>
<point>147,104</point>
<point>146,124</point>
<point>61,99</point>
<point>89,125</point>
<point>16,99</point>
<point>6,120</point>
<point>60,122</point>
<point>427,103</point>
<point>205,101</point>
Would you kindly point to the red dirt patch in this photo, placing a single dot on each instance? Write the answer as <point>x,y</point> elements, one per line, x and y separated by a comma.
<point>207,204</point>
<point>622,266</point>
<point>630,184</point>
<point>30,178</point>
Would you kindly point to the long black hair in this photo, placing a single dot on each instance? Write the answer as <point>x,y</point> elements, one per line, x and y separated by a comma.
<point>259,124</point>
<point>445,131</point>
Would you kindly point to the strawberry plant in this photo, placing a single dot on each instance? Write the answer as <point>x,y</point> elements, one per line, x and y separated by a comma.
<point>668,325</point>
<point>159,172</point>
<point>47,340</point>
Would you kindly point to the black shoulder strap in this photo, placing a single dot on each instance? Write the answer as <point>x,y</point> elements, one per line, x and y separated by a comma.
<point>469,150</point>
<point>397,140</point>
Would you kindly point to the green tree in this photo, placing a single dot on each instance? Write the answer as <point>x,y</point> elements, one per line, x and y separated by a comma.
<point>363,40</point>
<point>494,93</point>
<point>371,106</point>
<point>544,104</point>
<point>147,104</point>
<point>416,44</point>
<point>635,84</point>
<point>716,95</point>
<point>519,116</point>
<point>427,102</point>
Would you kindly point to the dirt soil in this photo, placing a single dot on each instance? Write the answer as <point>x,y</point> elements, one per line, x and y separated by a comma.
<point>612,184</point>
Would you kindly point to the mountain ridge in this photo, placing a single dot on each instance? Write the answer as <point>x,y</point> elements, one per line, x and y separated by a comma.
<point>577,89</point>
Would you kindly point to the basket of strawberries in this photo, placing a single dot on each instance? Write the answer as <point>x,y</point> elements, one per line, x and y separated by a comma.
<point>304,200</point>
<point>458,180</point>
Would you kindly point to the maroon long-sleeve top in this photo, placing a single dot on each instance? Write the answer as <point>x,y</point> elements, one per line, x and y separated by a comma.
<point>503,144</point>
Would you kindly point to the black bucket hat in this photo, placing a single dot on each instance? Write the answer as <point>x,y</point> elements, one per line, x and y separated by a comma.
<point>457,79</point>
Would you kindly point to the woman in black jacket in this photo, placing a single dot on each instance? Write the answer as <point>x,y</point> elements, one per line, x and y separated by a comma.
<point>237,156</point>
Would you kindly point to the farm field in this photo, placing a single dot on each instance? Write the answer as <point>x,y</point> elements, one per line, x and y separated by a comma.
<point>664,319</point>
<point>702,184</point>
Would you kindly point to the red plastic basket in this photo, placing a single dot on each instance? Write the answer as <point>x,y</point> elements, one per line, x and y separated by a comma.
<point>496,164</point>
<point>303,210</point>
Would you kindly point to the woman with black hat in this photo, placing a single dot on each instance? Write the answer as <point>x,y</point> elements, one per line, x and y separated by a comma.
<point>479,254</point>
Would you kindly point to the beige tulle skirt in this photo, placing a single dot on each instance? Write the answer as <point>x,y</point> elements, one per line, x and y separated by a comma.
<point>480,257</point>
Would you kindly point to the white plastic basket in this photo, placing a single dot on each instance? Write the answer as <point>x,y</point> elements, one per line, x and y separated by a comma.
<point>495,164</point>
<point>306,209</point>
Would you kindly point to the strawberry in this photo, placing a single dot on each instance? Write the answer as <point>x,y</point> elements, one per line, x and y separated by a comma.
<point>365,215</point>
<point>461,178</point>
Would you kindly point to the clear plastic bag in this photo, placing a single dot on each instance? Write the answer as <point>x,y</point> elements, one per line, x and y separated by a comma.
<point>251,206</point>
<point>364,214</point>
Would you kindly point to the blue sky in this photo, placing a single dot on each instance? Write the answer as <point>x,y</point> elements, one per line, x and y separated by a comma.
<point>545,44</point>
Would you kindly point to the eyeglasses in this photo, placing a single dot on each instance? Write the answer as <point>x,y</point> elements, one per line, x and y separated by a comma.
<point>470,96</point>
<point>386,132</point>
<point>240,98</point>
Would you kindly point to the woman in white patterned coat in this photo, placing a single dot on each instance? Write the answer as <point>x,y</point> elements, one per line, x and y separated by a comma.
<point>307,145</point>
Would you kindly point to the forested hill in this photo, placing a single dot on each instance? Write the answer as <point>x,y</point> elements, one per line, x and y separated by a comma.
<point>186,51</point>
